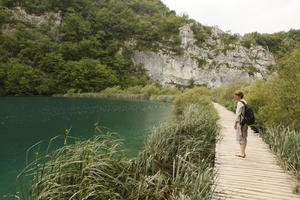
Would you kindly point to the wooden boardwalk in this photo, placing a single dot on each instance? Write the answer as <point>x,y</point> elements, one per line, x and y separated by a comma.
<point>257,177</point>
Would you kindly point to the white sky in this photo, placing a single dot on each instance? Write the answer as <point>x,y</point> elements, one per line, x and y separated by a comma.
<point>242,16</point>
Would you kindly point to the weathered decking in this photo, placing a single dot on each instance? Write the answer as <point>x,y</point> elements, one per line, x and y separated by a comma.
<point>257,177</point>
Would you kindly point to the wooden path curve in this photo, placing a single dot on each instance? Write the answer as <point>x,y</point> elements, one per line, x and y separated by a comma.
<point>257,177</point>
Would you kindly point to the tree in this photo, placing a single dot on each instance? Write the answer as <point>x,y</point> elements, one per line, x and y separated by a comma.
<point>87,75</point>
<point>3,77</point>
<point>22,79</point>
<point>75,27</point>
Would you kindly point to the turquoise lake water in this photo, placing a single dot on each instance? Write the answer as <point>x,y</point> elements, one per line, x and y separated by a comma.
<point>25,121</point>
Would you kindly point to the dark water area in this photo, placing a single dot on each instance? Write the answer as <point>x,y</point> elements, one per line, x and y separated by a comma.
<point>25,121</point>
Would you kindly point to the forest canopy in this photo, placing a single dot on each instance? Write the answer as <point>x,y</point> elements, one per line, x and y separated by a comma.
<point>90,50</point>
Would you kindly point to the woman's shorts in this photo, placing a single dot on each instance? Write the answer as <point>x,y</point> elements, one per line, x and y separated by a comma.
<point>242,134</point>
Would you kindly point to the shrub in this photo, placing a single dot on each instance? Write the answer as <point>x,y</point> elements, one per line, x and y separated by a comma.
<point>201,33</point>
<point>247,41</point>
<point>259,96</point>
<point>192,96</point>
<point>224,94</point>
<point>169,91</point>
<point>152,89</point>
<point>113,90</point>
<point>163,98</point>
<point>134,90</point>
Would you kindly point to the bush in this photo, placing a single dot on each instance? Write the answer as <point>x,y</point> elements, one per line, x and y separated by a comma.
<point>169,91</point>
<point>22,79</point>
<point>152,89</point>
<point>134,90</point>
<point>192,96</point>
<point>277,100</point>
<point>259,96</point>
<point>224,94</point>
<point>201,33</point>
<point>113,90</point>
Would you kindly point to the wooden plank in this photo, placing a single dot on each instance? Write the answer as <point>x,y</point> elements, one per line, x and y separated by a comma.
<point>256,177</point>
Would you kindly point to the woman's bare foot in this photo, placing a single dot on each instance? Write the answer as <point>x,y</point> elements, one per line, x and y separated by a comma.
<point>240,155</point>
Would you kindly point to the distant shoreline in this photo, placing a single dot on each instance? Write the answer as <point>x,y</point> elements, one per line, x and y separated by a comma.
<point>159,98</point>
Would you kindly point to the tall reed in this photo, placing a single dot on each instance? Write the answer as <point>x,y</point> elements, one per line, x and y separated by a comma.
<point>176,163</point>
<point>286,144</point>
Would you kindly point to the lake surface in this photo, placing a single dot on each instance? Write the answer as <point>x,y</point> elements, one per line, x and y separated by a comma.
<point>25,121</point>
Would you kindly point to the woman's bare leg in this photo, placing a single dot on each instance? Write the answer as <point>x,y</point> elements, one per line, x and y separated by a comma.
<point>243,149</point>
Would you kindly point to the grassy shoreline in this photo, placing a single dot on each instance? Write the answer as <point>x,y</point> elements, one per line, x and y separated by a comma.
<point>160,98</point>
<point>177,161</point>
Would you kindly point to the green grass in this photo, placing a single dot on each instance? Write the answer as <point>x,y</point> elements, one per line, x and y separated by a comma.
<point>153,92</point>
<point>286,144</point>
<point>176,163</point>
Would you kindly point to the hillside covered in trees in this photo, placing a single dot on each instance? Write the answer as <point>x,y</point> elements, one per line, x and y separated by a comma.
<point>52,46</point>
<point>88,50</point>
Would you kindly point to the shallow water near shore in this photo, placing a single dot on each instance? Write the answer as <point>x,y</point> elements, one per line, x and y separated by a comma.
<point>25,121</point>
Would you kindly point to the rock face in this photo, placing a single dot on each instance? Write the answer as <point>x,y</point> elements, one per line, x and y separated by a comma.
<point>213,64</point>
<point>51,20</point>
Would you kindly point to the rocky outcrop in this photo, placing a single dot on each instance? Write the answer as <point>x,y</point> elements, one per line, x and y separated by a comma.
<point>51,20</point>
<point>213,64</point>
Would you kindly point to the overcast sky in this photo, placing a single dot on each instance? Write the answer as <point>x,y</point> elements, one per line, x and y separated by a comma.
<point>242,16</point>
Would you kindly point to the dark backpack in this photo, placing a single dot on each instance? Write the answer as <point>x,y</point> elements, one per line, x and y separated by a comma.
<point>249,118</point>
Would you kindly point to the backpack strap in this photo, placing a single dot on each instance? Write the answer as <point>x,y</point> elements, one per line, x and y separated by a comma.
<point>243,103</point>
<point>245,106</point>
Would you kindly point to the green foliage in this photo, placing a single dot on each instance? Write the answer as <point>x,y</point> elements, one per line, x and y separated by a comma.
<point>176,158</point>
<point>224,94</point>
<point>276,102</point>
<point>201,62</point>
<point>152,89</point>
<point>285,143</point>
<point>106,31</point>
<point>170,91</point>
<point>3,16</point>
<point>192,96</point>
<point>201,33</point>
<point>248,41</point>
<point>278,43</point>
<point>113,90</point>
<point>286,90</point>
<point>20,79</point>
<point>3,78</point>
<point>75,27</point>
<point>228,39</point>
<point>279,94</point>
<point>87,75</point>
<point>191,141</point>
<point>152,92</point>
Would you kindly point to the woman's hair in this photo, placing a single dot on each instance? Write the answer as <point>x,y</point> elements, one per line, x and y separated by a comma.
<point>239,93</point>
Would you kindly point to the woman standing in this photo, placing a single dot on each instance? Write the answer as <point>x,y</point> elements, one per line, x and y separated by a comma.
<point>241,130</point>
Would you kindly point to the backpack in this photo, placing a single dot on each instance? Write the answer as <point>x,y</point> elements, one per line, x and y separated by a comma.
<point>249,117</point>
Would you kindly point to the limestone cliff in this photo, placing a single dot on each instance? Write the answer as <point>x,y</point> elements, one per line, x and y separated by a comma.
<point>213,63</point>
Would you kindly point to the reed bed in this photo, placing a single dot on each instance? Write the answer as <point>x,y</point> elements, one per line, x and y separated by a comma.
<point>160,98</point>
<point>286,144</point>
<point>184,152</point>
<point>176,163</point>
